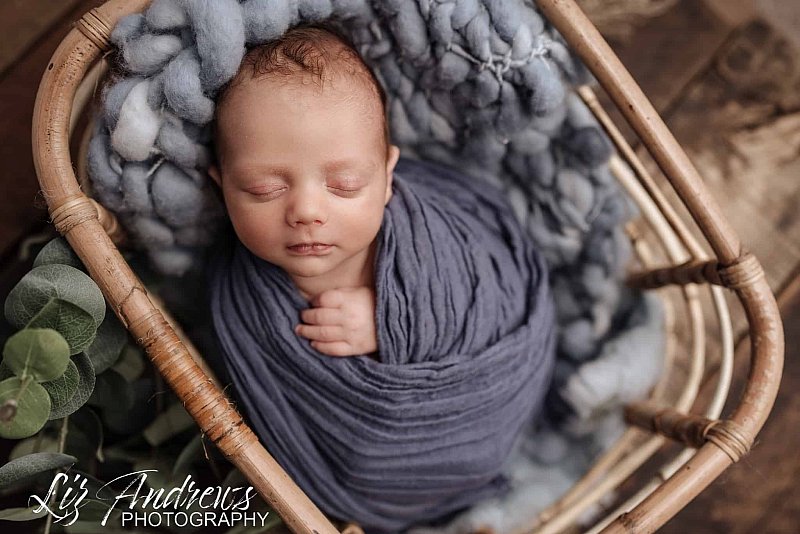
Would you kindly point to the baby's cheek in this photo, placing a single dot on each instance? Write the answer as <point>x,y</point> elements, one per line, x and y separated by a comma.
<point>254,235</point>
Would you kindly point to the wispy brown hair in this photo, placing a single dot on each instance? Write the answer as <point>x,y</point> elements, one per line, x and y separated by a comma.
<point>320,49</point>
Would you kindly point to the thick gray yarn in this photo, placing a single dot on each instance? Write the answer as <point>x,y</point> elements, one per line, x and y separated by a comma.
<point>478,84</point>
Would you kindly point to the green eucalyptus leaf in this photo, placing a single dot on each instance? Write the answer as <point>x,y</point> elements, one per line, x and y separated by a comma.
<point>80,443</point>
<point>94,511</point>
<point>92,484</point>
<point>188,455</point>
<point>82,392</point>
<point>64,387</point>
<point>22,514</point>
<point>161,477</point>
<point>174,420</point>
<point>88,422</point>
<point>77,326</point>
<point>40,352</point>
<point>31,465</point>
<point>33,407</point>
<point>47,282</point>
<point>38,443</point>
<point>131,363</point>
<point>107,345</point>
<point>57,250</point>
<point>5,371</point>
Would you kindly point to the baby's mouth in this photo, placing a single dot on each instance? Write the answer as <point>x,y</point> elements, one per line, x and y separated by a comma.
<point>309,248</point>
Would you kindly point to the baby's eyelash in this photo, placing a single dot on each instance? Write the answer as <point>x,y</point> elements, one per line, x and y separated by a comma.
<point>345,191</point>
<point>339,190</point>
<point>267,193</point>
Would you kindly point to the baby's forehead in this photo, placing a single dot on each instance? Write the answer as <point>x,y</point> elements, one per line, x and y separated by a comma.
<point>311,68</point>
<point>298,88</point>
<point>288,94</point>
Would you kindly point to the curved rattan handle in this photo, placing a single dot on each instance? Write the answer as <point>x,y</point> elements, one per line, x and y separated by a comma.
<point>766,330</point>
<point>75,216</point>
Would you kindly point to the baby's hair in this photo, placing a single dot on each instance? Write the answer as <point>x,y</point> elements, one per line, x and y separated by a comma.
<point>307,48</point>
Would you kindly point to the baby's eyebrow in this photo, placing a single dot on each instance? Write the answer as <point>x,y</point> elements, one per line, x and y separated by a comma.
<point>254,171</point>
<point>345,164</point>
<point>331,167</point>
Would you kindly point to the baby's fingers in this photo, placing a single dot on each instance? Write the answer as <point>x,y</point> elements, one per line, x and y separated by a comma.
<point>320,333</point>
<point>335,348</point>
<point>332,298</point>
<point>321,316</point>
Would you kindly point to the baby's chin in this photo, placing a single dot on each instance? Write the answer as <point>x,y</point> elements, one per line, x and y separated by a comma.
<point>307,267</point>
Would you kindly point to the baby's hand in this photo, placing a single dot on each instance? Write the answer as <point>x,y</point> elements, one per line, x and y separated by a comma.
<point>341,322</point>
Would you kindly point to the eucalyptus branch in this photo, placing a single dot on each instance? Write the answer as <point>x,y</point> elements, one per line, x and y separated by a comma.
<point>62,442</point>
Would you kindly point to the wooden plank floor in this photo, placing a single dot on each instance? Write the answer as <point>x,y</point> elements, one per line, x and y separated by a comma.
<point>738,117</point>
<point>729,88</point>
<point>20,72</point>
<point>760,494</point>
<point>739,121</point>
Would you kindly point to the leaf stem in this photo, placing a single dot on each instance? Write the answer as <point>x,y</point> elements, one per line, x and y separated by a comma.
<point>38,313</point>
<point>62,441</point>
<point>24,381</point>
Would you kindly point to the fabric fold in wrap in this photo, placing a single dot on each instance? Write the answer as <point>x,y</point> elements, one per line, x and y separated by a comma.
<point>466,340</point>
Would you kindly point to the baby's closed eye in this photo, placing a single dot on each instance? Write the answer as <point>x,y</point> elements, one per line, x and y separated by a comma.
<point>342,186</point>
<point>345,186</point>
<point>266,191</point>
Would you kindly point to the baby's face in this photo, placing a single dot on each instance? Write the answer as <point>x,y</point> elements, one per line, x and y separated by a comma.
<point>299,164</point>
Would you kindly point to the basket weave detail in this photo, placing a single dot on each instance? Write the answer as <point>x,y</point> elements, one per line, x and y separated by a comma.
<point>741,273</point>
<point>728,436</point>
<point>690,429</point>
<point>109,223</point>
<point>223,424</point>
<point>95,27</point>
<point>745,271</point>
<point>71,213</point>
<point>726,441</point>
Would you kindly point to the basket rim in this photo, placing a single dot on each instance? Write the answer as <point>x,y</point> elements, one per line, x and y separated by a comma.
<point>77,218</point>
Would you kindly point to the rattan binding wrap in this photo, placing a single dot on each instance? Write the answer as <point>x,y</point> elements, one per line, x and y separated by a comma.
<point>87,225</point>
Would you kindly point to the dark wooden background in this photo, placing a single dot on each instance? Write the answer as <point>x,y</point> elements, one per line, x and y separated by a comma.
<point>725,74</point>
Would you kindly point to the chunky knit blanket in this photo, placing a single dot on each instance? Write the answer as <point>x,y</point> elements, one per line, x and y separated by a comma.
<point>480,85</point>
<point>466,342</point>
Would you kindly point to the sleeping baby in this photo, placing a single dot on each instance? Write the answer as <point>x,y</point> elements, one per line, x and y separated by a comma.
<point>417,272</point>
<point>305,167</point>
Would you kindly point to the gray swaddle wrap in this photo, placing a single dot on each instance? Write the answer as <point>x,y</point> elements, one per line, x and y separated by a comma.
<point>466,338</point>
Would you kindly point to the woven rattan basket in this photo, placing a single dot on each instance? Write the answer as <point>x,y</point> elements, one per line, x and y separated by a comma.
<point>667,253</point>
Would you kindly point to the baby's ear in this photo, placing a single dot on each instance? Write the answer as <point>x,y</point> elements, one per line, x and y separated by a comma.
<point>391,162</point>
<point>213,171</point>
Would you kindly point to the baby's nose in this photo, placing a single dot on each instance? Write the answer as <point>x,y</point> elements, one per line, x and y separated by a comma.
<point>309,207</point>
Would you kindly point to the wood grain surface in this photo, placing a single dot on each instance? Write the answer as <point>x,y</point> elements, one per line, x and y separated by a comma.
<point>728,84</point>
<point>22,209</point>
<point>738,116</point>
